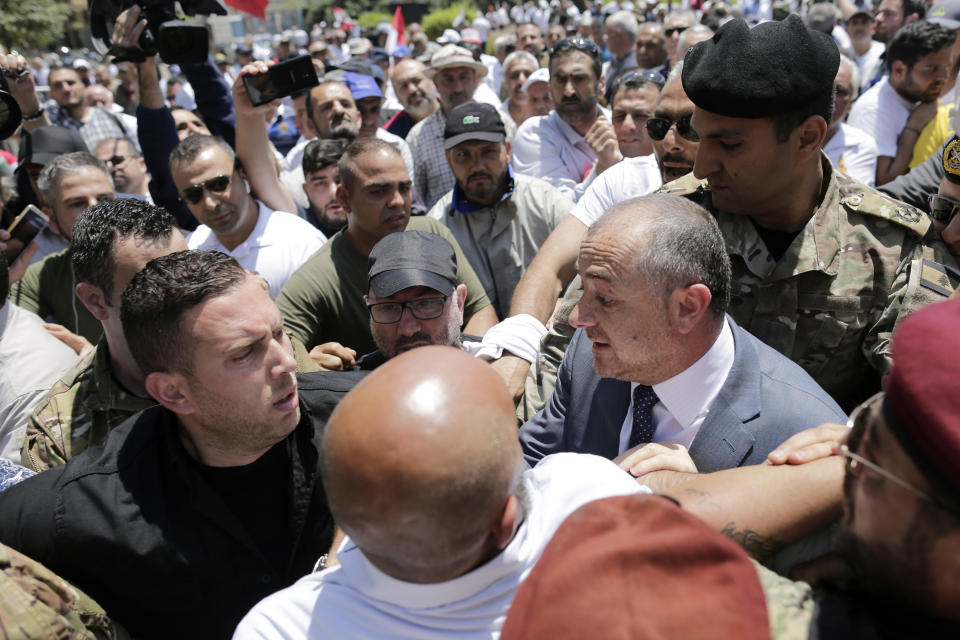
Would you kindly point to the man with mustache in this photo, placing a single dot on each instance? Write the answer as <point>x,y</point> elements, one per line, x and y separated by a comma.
<point>556,147</point>
<point>456,76</point>
<point>895,110</point>
<point>416,93</point>
<point>500,218</point>
<point>212,184</point>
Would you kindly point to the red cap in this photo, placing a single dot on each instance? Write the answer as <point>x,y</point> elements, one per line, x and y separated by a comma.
<point>923,387</point>
<point>639,567</point>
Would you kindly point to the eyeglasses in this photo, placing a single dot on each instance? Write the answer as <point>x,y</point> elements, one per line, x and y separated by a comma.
<point>858,423</point>
<point>194,193</point>
<point>943,208</point>
<point>672,31</point>
<point>658,128</point>
<point>422,309</point>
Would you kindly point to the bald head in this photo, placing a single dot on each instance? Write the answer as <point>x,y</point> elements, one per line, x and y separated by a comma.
<point>421,461</point>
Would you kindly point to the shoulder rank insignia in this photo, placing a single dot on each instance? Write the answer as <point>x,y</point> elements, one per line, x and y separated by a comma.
<point>939,278</point>
<point>951,159</point>
<point>908,214</point>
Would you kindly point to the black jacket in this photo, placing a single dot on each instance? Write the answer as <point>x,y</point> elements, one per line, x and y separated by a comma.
<point>136,526</point>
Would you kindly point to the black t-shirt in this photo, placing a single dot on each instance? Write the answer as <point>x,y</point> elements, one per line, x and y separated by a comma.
<point>258,495</point>
<point>777,242</point>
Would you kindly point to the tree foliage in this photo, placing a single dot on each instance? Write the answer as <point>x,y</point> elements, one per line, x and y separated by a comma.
<point>32,23</point>
<point>435,22</point>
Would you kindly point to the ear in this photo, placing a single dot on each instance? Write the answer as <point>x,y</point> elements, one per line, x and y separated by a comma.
<point>343,197</point>
<point>688,305</point>
<point>509,149</point>
<point>461,293</point>
<point>601,87</point>
<point>505,526</point>
<point>169,390</point>
<point>810,135</point>
<point>898,70</point>
<point>93,299</point>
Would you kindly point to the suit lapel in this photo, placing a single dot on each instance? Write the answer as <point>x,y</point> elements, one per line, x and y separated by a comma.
<point>724,440</point>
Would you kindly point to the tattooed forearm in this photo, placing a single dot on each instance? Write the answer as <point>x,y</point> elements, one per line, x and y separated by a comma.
<point>757,545</point>
<point>700,498</point>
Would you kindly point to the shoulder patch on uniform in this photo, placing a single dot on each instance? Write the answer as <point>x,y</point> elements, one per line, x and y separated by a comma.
<point>951,158</point>
<point>938,277</point>
<point>874,203</point>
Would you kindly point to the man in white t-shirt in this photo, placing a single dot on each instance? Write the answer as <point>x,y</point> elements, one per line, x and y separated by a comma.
<point>424,473</point>
<point>895,110</point>
<point>211,183</point>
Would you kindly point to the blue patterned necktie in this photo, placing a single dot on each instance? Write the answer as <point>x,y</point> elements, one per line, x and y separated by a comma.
<point>643,428</point>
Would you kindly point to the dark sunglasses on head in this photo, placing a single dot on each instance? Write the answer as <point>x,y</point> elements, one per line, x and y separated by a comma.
<point>578,44</point>
<point>658,127</point>
<point>649,75</point>
<point>194,193</point>
<point>943,208</point>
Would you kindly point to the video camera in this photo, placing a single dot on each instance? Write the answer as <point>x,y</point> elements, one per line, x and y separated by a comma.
<point>174,40</point>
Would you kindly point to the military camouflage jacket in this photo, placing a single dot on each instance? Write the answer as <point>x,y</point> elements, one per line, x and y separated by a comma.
<point>36,603</point>
<point>79,412</point>
<point>863,263</point>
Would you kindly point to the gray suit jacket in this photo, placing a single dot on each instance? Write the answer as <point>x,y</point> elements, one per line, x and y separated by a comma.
<point>765,399</point>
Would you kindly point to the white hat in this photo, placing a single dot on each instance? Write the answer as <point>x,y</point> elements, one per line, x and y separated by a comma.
<point>359,46</point>
<point>449,36</point>
<point>450,55</point>
<point>540,75</point>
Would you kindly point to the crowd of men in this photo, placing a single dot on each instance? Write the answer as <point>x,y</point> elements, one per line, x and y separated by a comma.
<point>549,326</point>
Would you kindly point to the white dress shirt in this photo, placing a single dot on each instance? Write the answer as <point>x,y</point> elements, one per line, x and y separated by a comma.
<point>685,398</point>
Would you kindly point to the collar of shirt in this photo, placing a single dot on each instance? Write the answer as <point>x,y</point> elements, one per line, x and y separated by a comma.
<point>569,132</point>
<point>255,239</point>
<point>887,87</point>
<point>689,394</point>
<point>461,205</point>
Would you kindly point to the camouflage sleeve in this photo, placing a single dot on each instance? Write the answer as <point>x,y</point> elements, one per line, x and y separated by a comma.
<point>44,445</point>
<point>927,273</point>
<point>790,605</point>
<point>36,603</point>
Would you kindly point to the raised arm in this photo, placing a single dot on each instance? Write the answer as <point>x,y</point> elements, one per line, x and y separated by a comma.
<point>253,144</point>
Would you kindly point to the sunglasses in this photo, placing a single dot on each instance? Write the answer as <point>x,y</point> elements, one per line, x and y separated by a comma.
<point>116,160</point>
<point>943,208</point>
<point>859,424</point>
<point>650,76</point>
<point>658,127</point>
<point>578,44</point>
<point>422,309</point>
<point>672,31</point>
<point>194,193</point>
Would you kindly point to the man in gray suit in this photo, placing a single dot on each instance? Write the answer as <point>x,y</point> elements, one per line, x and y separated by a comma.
<point>657,376</point>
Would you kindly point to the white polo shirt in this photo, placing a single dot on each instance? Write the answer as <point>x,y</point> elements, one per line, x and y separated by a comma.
<point>276,247</point>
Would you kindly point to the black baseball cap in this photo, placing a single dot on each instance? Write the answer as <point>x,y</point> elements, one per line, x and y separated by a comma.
<point>412,259</point>
<point>473,121</point>
<point>43,144</point>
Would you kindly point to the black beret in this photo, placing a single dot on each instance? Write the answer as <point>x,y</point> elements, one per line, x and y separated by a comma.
<point>763,72</point>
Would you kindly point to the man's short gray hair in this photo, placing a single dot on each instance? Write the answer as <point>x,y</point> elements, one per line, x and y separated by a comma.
<point>624,21</point>
<point>504,41</point>
<point>691,32</point>
<point>519,55</point>
<point>679,244</point>
<point>854,73</point>
<point>48,182</point>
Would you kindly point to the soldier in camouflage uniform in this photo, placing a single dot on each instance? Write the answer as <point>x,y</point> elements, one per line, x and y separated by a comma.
<point>824,285</point>
<point>112,240</point>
